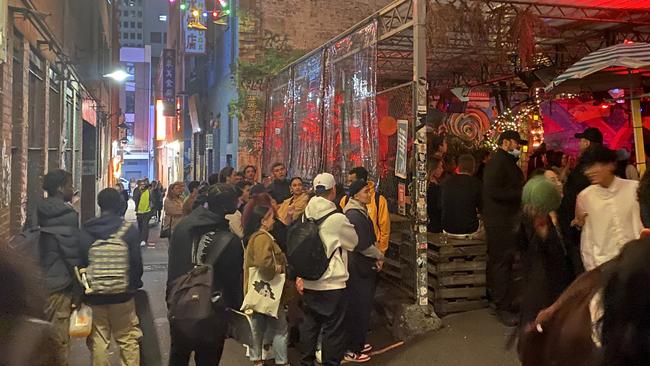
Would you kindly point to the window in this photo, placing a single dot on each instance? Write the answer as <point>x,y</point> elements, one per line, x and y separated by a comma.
<point>140,25</point>
<point>133,13</point>
<point>139,35</point>
<point>125,13</point>
<point>125,35</point>
<point>165,37</point>
<point>140,13</point>
<point>155,37</point>
<point>129,102</point>
<point>132,35</point>
<point>125,24</point>
<point>132,24</point>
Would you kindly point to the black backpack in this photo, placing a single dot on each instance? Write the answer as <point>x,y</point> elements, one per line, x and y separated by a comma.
<point>305,250</point>
<point>28,242</point>
<point>195,308</point>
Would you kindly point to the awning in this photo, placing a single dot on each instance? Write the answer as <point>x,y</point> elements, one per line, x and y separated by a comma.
<point>630,55</point>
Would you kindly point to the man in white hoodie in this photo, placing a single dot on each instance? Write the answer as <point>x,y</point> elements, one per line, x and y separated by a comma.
<point>325,301</point>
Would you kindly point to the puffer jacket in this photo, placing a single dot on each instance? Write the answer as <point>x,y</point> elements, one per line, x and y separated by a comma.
<point>60,253</point>
<point>103,227</point>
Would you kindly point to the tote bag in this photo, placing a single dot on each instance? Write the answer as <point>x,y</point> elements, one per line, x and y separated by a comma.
<point>263,296</point>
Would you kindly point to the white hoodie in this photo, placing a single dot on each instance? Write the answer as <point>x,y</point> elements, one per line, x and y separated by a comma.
<point>335,232</point>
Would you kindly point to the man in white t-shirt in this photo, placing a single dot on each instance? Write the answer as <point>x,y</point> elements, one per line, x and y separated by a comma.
<point>608,210</point>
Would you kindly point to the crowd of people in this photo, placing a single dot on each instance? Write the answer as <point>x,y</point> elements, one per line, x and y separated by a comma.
<point>238,226</point>
<point>565,259</point>
<point>566,218</point>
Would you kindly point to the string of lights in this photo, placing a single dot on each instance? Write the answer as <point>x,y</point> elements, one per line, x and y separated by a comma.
<point>526,120</point>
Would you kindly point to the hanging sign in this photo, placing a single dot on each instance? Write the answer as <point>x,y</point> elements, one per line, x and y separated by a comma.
<point>169,82</point>
<point>402,140</point>
<point>3,30</point>
<point>195,35</point>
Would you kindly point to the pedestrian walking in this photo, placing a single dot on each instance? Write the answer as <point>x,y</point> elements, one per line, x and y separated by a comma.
<point>364,263</point>
<point>377,208</point>
<point>113,305</point>
<point>173,206</point>
<point>293,207</point>
<point>502,187</point>
<point>264,256</point>
<point>203,237</point>
<point>607,211</point>
<point>279,188</point>
<point>59,254</point>
<point>157,196</point>
<point>125,197</point>
<point>325,299</point>
<point>144,210</point>
<point>576,181</point>
<point>460,199</point>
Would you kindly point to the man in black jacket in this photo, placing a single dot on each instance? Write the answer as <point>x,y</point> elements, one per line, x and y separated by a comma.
<point>576,182</point>
<point>502,186</point>
<point>114,315</point>
<point>194,239</point>
<point>461,199</point>
<point>280,188</point>
<point>59,255</point>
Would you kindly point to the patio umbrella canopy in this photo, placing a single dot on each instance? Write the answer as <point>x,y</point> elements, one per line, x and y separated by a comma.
<point>629,55</point>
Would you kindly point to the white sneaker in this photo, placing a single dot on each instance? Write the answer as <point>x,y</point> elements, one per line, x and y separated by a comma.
<point>143,244</point>
<point>319,356</point>
<point>356,357</point>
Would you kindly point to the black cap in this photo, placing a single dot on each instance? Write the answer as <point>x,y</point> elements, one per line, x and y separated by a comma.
<point>592,134</point>
<point>512,135</point>
<point>356,187</point>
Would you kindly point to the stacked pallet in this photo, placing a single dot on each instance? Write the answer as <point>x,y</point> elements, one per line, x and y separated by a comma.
<point>457,273</point>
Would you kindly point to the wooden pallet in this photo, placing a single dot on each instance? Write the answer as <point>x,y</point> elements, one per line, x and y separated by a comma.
<point>457,269</point>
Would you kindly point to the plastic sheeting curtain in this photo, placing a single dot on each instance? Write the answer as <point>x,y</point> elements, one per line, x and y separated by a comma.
<point>350,119</point>
<point>279,117</point>
<point>307,117</point>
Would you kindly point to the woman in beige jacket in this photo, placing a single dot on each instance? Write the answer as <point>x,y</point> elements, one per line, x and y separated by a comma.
<point>264,253</point>
<point>293,207</point>
<point>173,206</point>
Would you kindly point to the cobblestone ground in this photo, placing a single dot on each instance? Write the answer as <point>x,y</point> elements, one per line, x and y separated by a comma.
<point>468,339</point>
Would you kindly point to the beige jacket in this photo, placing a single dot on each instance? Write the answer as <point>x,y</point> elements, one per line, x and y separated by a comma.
<point>173,211</point>
<point>297,203</point>
<point>260,253</point>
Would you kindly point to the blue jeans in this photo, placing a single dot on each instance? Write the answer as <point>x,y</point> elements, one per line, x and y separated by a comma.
<point>279,332</point>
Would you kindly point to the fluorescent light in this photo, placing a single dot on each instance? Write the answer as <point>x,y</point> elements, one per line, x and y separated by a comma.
<point>162,17</point>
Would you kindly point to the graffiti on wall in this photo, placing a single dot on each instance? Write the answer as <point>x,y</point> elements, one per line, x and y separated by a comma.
<point>5,176</point>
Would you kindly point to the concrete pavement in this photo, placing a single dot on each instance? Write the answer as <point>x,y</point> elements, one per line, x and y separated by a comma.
<point>467,339</point>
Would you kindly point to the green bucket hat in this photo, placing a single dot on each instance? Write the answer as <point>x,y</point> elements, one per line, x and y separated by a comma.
<point>541,195</point>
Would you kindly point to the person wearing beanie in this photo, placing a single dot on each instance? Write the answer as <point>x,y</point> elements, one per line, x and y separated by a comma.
<point>364,263</point>
<point>546,267</point>
<point>607,211</point>
<point>200,234</point>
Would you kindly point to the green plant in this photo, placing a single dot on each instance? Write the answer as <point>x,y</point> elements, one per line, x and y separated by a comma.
<point>268,63</point>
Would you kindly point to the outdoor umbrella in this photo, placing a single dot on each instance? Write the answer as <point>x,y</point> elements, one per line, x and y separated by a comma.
<point>628,56</point>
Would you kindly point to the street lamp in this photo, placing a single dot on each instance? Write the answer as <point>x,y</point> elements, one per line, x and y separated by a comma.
<point>118,75</point>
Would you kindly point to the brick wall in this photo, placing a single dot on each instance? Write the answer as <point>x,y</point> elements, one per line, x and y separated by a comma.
<point>306,24</point>
<point>5,143</point>
<point>20,91</point>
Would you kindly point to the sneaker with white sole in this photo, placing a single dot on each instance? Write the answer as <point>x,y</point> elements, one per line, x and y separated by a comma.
<point>143,244</point>
<point>366,348</point>
<point>356,357</point>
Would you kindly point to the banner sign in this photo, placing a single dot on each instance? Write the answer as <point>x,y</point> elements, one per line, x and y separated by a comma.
<point>194,37</point>
<point>169,82</point>
<point>402,140</point>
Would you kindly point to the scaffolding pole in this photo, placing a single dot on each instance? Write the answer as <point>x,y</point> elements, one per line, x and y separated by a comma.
<point>420,138</point>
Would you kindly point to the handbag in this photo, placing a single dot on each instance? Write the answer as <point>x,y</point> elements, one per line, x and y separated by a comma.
<point>166,230</point>
<point>263,296</point>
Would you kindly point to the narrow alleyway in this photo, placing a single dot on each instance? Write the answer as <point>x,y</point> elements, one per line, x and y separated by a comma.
<point>468,339</point>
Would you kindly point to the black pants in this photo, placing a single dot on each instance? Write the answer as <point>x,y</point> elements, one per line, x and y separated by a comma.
<point>143,226</point>
<point>502,247</point>
<point>205,354</point>
<point>361,296</point>
<point>324,312</point>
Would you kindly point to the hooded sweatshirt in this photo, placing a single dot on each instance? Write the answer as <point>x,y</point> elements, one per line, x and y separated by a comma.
<point>103,227</point>
<point>335,232</point>
<point>212,229</point>
<point>59,254</point>
<point>357,214</point>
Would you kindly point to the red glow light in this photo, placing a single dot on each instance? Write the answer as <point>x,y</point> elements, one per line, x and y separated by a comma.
<point>215,14</point>
<point>604,106</point>
<point>627,41</point>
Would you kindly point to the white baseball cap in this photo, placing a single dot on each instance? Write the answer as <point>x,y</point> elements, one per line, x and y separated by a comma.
<point>324,181</point>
